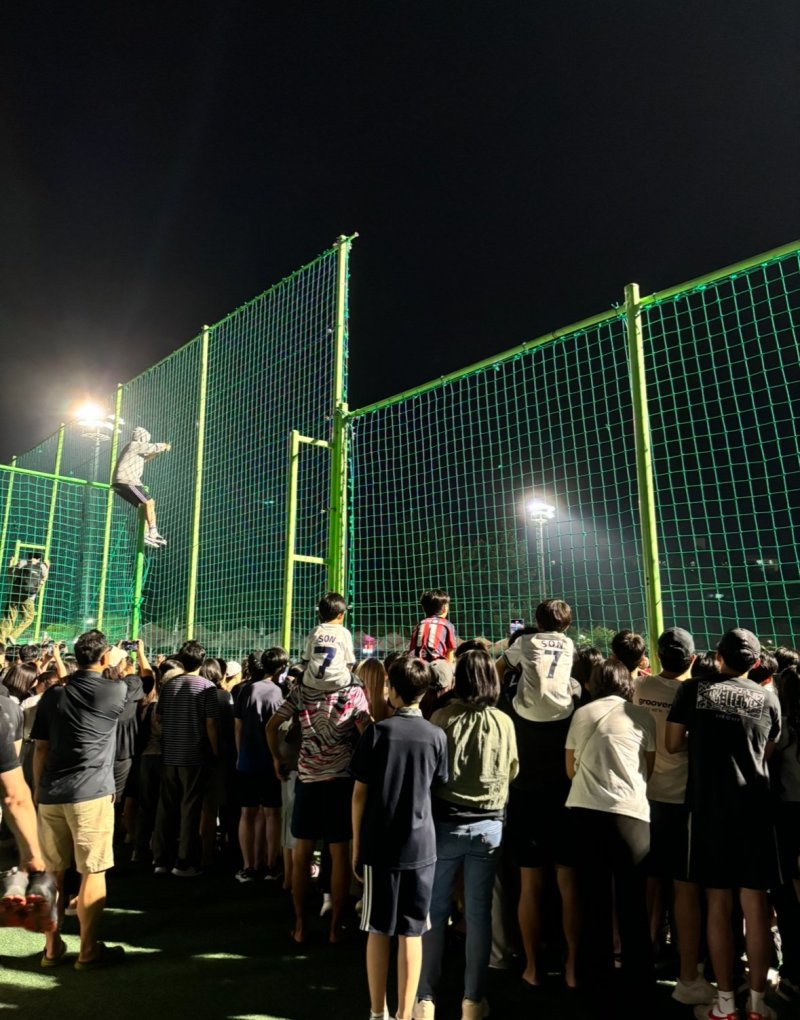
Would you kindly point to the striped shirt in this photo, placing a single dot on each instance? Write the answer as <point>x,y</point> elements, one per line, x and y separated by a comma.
<point>328,729</point>
<point>433,638</point>
<point>184,704</point>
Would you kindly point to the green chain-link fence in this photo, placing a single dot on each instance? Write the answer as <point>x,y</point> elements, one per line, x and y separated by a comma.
<point>515,478</point>
<point>243,386</point>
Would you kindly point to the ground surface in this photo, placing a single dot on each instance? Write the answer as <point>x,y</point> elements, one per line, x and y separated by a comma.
<point>211,949</point>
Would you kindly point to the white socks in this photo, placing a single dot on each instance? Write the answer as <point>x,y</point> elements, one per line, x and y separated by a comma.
<point>725,1002</point>
<point>757,1004</point>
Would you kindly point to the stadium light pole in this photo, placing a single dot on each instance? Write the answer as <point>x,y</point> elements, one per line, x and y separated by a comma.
<point>540,513</point>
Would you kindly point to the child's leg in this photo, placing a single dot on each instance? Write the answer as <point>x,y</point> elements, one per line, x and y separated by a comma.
<point>303,849</point>
<point>409,964</point>
<point>340,885</point>
<point>378,947</point>
<point>247,823</point>
<point>288,864</point>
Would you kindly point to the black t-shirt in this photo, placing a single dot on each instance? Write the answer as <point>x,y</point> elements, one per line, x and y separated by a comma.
<point>15,716</point>
<point>128,724</point>
<point>8,756</point>
<point>80,722</point>
<point>226,728</point>
<point>400,759</point>
<point>729,722</point>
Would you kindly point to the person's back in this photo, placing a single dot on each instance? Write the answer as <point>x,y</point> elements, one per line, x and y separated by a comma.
<point>545,690</point>
<point>434,638</point>
<point>407,754</point>
<point>482,755</point>
<point>394,839</point>
<point>255,707</point>
<point>184,704</point>
<point>79,720</point>
<point>731,720</point>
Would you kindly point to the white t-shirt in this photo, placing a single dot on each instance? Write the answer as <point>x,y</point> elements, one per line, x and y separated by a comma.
<point>328,655</point>
<point>544,693</point>
<point>668,782</point>
<point>610,737</point>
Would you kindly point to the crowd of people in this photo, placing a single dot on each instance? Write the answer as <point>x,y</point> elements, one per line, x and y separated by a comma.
<point>444,789</point>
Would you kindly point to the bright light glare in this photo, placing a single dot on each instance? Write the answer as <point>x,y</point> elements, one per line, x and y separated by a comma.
<point>90,413</point>
<point>538,510</point>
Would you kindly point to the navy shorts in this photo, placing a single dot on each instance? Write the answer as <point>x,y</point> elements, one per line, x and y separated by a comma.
<point>397,902</point>
<point>323,810</point>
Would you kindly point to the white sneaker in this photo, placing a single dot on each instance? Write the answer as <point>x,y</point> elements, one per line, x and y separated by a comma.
<point>712,1012</point>
<point>694,993</point>
<point>474,1010</point>
<point>188,872</point>
<point>327,904</point>
<point>425,1009</point>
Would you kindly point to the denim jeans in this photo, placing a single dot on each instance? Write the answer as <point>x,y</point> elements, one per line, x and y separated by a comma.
<point>475,844</point>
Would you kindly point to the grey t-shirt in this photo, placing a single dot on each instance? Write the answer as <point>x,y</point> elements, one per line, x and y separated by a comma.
<point>80,722</point>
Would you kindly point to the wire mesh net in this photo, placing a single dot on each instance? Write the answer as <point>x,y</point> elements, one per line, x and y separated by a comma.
<point>514,482</point>
<point>723,367</point>
<point>270,370</point>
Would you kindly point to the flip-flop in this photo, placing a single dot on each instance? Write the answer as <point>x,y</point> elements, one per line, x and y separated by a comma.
<point>106,957</point>
<point>57,960</point>
<point>41,901</point>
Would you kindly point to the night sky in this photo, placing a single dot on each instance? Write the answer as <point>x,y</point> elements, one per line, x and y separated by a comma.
<point>509,167</point>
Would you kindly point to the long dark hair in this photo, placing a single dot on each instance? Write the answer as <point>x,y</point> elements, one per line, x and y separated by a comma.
<point>477,681</point>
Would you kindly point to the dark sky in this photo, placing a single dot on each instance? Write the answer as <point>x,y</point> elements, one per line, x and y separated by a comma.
<point>509,167</point>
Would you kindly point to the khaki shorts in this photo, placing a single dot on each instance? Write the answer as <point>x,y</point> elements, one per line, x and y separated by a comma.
<point>83,831</point>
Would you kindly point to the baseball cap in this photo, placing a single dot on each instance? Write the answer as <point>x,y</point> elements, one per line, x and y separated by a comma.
<point>739,649</point>
<point>676,642</point>
<point>116,655</point>
<point>232,668</point>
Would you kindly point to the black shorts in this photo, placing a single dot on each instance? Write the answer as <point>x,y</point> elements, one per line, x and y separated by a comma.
<point>397,902</point>
<point>136,495</point>
<point>539,828</point>
<point>669,842</point>
<point>323,810</point>
<point>258,789</point>
<point>746,858</point>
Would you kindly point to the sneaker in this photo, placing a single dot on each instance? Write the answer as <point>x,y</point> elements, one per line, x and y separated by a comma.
<point>425,1009</point>
<point>188,871</point>
<point>704,1012</point>
<point>246,875</point>
<point>327,904</point>
<point>474,1010</point>
<point>770,1014</point>
<point>160,869</point>
<point>71,909</point>
<point>694,993</point>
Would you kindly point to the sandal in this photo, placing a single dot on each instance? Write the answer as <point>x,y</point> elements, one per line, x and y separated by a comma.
<point>57,960</point>
<point>42,903</point>
<point>107,956</point>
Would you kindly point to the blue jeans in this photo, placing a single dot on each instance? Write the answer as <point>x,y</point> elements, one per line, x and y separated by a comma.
<point>475,844</point>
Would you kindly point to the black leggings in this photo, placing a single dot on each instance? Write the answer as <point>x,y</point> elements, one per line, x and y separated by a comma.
<point>612,849</point>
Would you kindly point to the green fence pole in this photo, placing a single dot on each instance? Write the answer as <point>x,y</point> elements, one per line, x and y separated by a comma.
<point>7,512</point>
<point>337,526</point>
<point>291,537</point>
<point>101,595</point>
<point>644,472</point>
<point>51,516</point>
<point>50,476</point>
<point>194,552</point>
<point>138,579</point>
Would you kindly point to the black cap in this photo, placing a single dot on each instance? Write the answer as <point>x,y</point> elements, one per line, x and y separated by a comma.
<point>739,649</point>
<point>676,642</point>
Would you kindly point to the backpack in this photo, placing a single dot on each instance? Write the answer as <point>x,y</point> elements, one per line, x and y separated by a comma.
<point>27,580</point>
